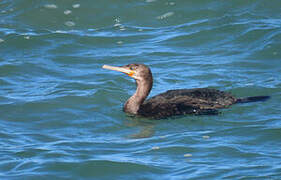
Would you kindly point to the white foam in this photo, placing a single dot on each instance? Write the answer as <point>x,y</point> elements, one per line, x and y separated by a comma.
<point>206,137</point>
<point>168,14</point>
<point>149,1</point>
<point>117,24</point>
<point>51,6</point>
<point>69,23</point>
<point>67,12</point>
<point>76,5</point>
<point>155,148</point>
<point>117,20</point>
<point>60,31</point>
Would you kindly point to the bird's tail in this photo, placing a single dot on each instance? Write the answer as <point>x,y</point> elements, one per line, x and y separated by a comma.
<point>252,99</point>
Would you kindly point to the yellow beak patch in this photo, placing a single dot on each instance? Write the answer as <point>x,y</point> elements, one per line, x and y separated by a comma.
<point>131,73</point>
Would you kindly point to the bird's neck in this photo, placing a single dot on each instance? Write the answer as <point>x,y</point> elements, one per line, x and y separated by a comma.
<point>133,104</point>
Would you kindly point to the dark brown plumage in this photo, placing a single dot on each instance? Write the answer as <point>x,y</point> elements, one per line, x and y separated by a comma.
<point>199,101</point>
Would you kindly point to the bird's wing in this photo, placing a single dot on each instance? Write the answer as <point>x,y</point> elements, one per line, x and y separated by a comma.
<point>160,107</point>
<point>205,96</point>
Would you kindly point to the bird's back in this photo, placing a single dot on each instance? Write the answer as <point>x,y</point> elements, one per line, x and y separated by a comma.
<point>186,101</point>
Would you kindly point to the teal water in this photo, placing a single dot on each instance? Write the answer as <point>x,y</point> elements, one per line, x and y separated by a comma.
<point>61,113</point>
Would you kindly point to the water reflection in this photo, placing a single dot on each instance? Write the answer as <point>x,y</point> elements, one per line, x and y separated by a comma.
<point>146,127</point>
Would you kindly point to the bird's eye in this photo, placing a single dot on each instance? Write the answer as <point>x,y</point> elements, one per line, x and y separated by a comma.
<point>131,68</point>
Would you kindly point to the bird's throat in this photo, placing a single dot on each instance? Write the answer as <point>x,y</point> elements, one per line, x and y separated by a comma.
<point>133,103</point>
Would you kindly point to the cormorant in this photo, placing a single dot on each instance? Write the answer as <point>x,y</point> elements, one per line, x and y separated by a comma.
<point>198,101</point>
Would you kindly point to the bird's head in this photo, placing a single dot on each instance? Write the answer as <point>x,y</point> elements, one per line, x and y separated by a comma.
<point>139,72</point>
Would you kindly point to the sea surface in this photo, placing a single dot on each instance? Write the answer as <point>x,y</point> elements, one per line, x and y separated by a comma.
<point>61,114</point>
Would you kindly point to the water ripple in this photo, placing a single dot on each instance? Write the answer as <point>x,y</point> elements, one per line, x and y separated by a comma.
<point>61,113</point>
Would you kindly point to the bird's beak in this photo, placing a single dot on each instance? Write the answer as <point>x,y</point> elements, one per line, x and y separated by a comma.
<point>120,69</point>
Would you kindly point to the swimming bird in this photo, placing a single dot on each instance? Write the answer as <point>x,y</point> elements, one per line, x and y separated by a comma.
<point>198,101</point>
